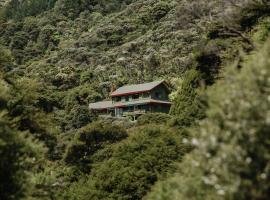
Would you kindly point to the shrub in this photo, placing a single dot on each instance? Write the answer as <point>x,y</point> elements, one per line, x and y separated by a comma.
<point>231,159</point>
<point>19,152</point>
<point>153,118</point>
<point>5,60</point>
<point>134,166</point>
<point>78,117</point>
<point>88,140</point>
<point>17,9</point>
<point>187,106</point>
<point>16,154</point>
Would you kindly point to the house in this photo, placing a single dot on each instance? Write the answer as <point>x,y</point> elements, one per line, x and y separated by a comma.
<point>135,100</point>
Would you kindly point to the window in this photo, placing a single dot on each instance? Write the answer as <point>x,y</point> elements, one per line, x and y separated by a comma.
<point>145,95</point>
<point>117,99</point>
<point>135,96</point>
<point>158,95</point>
<point>126,98</point>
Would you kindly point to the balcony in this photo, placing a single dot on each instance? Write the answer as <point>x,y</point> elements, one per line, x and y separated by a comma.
<point>132,113</point>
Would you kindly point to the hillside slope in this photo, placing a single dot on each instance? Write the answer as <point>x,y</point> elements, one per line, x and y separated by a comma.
<point>82,48</point>
<point>57,56</point>
<point>71,45</point>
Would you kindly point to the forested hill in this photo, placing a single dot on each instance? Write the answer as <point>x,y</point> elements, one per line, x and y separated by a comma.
<point>57,56</point>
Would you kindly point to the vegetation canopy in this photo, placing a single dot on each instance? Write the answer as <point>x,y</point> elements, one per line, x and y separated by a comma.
<point>57,57</point>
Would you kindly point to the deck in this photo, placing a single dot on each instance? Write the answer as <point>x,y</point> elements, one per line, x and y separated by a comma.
<point>134,113</point>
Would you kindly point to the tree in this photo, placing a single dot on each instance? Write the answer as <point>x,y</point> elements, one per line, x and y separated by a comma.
<point>90,139</point>
<point>19,152</point>
<point>5,59</point>
<point>231,158</point>
<point>18,9</point>
<point>19,155</point>
<point>133,166</point>
<point>188,105</point>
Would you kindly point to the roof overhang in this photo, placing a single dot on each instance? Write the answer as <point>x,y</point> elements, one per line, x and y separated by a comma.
<point>142,102</point>
<point>129,93</point>
<point>106,105</point>
<point>102,105</point>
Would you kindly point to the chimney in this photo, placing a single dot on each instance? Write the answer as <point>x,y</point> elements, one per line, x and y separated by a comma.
<point>113,87</point>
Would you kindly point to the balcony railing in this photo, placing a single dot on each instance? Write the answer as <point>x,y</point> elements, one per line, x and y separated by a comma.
<point>135,112</point>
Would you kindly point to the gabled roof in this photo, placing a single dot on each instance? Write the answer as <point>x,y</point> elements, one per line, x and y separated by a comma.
<point>101,105</point>
<point>135,89</point>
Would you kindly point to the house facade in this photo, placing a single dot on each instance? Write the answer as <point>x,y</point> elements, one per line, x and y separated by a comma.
<point>135,100</point>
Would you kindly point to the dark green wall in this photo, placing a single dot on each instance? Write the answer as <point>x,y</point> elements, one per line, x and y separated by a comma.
<point>162,90</point>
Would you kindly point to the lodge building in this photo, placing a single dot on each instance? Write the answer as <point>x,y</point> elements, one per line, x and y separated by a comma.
<point>135,100</point>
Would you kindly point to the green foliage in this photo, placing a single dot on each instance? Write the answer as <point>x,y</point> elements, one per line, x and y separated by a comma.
<point>47,38</point>
<point>188,105</point>
<point>64,54</point>
<point>231,159</point>
<point>5,59</point>
<point>134,166</point>
<point>88,140</point>
<point>156,13</point>
<point>24,109</point>
<point>20,157</point>
<point>262,31</point>
<point>77,112</point>
<point>78,117</point>
<point>27,116</point>
<point>252,11</point>
<point>80,96</point>
<point>20,153</point>
<point>72,8</point>
<point>17,9</point>
<point>153,118</point>
<point>208,61</point>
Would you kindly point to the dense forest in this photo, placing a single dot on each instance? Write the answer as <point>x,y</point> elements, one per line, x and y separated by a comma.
<point>57,56</point>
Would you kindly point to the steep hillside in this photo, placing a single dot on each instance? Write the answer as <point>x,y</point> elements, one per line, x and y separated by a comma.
<point>79,49</point>
<point>57,56</point>
<point>75,44</point>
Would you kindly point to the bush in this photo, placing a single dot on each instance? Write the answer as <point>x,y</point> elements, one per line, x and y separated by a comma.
<point>231,159</point>
<point>19,156</point>
<point>5,60</point>
<point>19,152</point>
<point>17,9</point>
<point>72,8</point>
<point>78,117</point>
<point>134,166</point>
<point>88,140</point>
<point>153,118</point>
<point>188,105</point>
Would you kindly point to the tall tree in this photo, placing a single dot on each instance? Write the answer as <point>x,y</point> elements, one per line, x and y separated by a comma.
<point>19,152</point>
